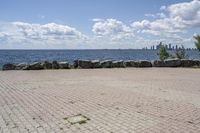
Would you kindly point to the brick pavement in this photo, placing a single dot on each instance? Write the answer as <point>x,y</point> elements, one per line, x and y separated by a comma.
<point>150,100</point>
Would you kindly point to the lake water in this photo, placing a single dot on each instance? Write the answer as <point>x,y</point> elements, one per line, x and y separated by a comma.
<point>28,56</point>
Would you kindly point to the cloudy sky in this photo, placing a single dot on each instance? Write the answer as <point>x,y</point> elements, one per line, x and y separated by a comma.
<point>97,24</point>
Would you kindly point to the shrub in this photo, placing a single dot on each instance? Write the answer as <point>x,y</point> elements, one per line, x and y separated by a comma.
<point>181,53</point>
<point>197,42</point>
<point>163,54</point>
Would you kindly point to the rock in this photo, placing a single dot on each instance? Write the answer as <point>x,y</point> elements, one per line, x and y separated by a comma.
<point>64,65</point>
<point>35,66</point>
<point>96,64</point>
<point>8,66</point>
<point>75,64</point>
<point>172,63</point>
<point>47,65</point>
<point>55,65</point>
<point>197,63</point>
<point>131,63</point>
<point>144,63</point>
<point>118,64</point>
<point>158,63</point>
<point>106,64</point>
<point>85,64</point>
<point>187,63</point>
<point>21,66</point>
<point>71,66</point>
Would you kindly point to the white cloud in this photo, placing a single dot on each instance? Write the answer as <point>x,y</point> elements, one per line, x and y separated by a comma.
<point>50,30</point>
<point>113,29</point>
<point>97,19</point>
<point>163,8</point>
<point>158,15</point>
<point>176,19</point>
<point>48,34</point>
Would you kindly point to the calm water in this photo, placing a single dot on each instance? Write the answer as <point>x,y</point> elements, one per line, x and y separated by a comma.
<point>19,56</point>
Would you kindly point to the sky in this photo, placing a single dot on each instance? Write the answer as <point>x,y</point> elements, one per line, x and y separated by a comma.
<point>97,24</point>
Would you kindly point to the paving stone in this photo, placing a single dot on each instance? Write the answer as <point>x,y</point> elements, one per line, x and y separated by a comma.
<point>115,100</point>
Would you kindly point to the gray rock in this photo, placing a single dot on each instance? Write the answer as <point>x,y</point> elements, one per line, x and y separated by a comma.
<point>96,64</point>
<point>47,65</point>
<point>75,64</point>
<point>85,64</point>
<point>64,65</point>
<point>55,65</point>
<point>8,66</point>
<point>22,66</point>
<point>131,63</point>
<point>187,63</point>
<point>144,63</point>
<point>172,63</point>
<point>106,64</point>
<point>35,66</point>
<point>118,64</point>
<point>197,63</point>
<point>158,63</point>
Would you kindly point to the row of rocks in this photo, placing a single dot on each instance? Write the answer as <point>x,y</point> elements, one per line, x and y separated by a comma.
<point>37,66</point>
<point>87,64</point>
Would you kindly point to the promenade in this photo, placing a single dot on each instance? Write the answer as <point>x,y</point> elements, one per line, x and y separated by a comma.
<point>118,100</point>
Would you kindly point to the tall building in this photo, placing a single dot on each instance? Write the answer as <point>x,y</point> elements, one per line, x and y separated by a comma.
<point>170,46</point>
<point>176,47</point>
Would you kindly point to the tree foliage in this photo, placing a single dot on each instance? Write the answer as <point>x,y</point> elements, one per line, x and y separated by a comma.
<point>163,54</point>
<point>181,53</point>
<point>197,42</point>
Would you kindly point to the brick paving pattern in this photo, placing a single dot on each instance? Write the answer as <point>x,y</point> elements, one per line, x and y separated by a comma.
<point>152,100</point>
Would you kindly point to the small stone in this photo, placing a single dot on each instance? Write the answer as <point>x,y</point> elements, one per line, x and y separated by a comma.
<point>80,119</point>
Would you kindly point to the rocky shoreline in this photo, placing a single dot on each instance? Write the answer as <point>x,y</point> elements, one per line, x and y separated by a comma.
<point>92,64</point>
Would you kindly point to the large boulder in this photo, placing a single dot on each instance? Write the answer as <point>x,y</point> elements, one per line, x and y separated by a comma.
<point>197,63</point>
<point>172,63</point>
<point>144,63</point>
<point>187,63</point>
<point>106,64</point>
<point>158,63</point>
<point>131,63</point>
<point>22,66</point>
<point>35,66</point>
<point>64,65</point>
<point>8,66</point>
<point>55,65</point>
<point>118,64</point>
<point>47,65</point>
<point>85,64</point>
<point>96,64</point>
<point>75,64</point>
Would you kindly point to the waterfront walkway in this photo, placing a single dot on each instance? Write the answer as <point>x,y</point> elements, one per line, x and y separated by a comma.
<point>141,100</point>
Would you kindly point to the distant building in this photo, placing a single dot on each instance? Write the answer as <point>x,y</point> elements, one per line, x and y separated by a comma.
<point>170,46</point>
<point>159,46</point>
<point>176,47</point>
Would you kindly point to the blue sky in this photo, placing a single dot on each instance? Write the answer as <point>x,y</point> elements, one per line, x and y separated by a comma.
<point>79,24</point>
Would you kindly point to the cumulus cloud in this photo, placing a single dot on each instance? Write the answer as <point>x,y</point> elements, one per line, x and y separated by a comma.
<point>97,19</point>
<point>112,28</point>
<point>176,19</point>
<point>51,33</point>
<point>50,30</point>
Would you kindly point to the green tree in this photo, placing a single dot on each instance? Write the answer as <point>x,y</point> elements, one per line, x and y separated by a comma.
<point>163,54</point>
<point>181,53</point>
<point>197,42</point>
